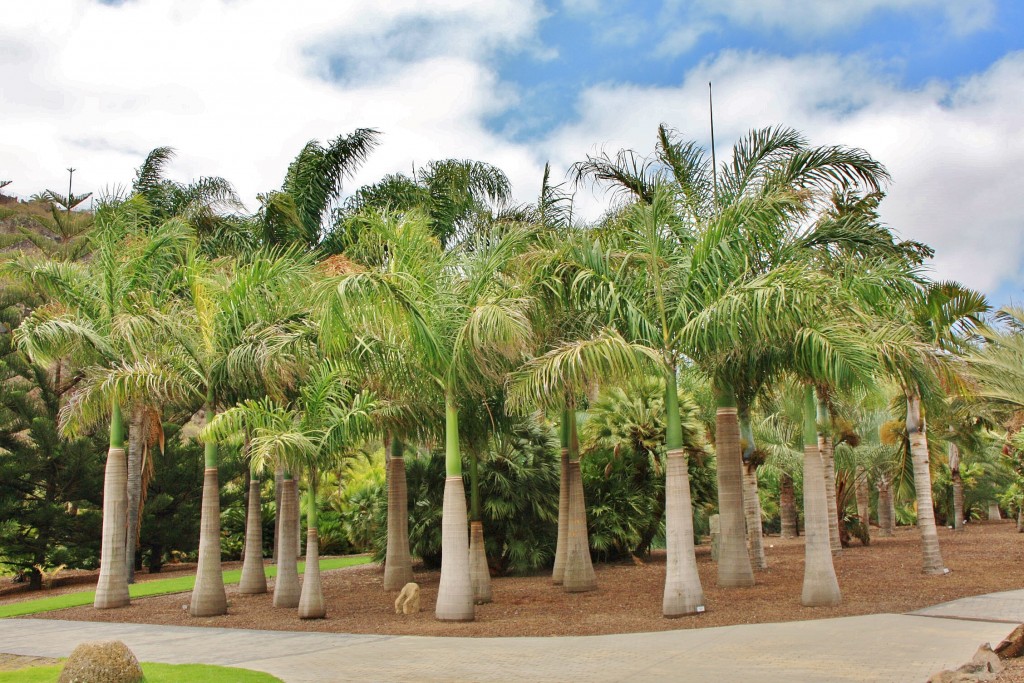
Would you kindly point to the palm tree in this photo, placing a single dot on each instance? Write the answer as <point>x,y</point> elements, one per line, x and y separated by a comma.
<point>235,331</point>
<point>454,193</point>
<point>553,380</point>
<point>942,313</point>
<point>744,231</point>
<point>311,435</point>
<point>820,585</point>
<point>102,327</point>
<point>467,321</point>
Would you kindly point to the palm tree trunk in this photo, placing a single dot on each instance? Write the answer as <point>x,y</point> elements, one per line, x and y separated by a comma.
<point>112,587</point>
<point>734,568</point>
<point>311,599</point>
<point>398,560</point>
<point>208,596</point>
<point>820,585</point>
<point>254,580</point>
<point>278,481</point>
<point>932,556</point>
<point>863,494</point>
<point>579,570</point>
<point>286,586</point>
<point>1020,519</point>
<point>787,506</point>
<point>829,465</point>
<point>135,442</point>
<point>479,573</point>
<point>994,515</point>
<point>958,487</point>
<point>886,507</point>
<point>751,499</point>
<point>683,593</point>
<point>455,593</point>
<point>558,572</point>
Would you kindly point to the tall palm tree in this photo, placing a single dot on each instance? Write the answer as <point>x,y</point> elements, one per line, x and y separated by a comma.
<point>454,194</point>
<point>743,223</point>
<point>102,324</point>
<point>468,320</point>
<point>943,313</point>
<point>310,434</point>
<point>235,331</point>
<point>554,380</point>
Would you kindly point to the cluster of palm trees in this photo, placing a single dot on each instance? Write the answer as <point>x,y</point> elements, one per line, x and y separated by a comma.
<point>429,309</point>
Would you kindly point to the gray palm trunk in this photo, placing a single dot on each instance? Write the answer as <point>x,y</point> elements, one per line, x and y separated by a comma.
<point>455,593</point>
<point>311,598</point>
<point>286,586</point>
<point>397,560</point>
<point>135,450</point>
<point>886,507</point>
<point>579,571</point>
<point>931,555</point>
<point>751,499</point>
<point>958,487</point>
<point>578,576</point>
<point>208,596</point>
<point>558,572</point>
<point>863,494</point>
<point>734,568</point>
<point>683,592</point>
<point>254,580</point>
<point>479,572</point>
<point>112,587</point>
<point>787,506</point>
<point>994,514</point>
<point>829,464</point>
<point>820,585</point>
<point>752,514</point>
<point>278,480</point>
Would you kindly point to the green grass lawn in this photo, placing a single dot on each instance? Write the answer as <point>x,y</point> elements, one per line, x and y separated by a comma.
<point>177,584</point>
<point>155,673</point>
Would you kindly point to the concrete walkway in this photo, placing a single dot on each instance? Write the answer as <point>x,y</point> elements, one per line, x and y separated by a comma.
<point>881,647</point>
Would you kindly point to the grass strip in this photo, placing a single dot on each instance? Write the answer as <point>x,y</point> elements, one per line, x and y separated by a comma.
<point>178,584</point>
<point>155,673</point>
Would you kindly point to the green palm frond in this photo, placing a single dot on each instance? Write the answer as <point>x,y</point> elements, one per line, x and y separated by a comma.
<point>545,380</point>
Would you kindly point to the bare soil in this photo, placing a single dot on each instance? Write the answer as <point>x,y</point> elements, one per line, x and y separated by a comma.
<point>882,578</point>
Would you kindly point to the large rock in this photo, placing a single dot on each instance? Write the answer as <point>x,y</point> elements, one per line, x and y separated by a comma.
<point>984,666</point>
<point>101,662</point>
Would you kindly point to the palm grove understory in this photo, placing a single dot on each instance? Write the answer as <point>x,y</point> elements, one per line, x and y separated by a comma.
<point>718,341</point>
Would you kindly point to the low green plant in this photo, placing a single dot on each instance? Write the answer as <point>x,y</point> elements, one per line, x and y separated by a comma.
<point>145,589</point>
<point>154,672</point>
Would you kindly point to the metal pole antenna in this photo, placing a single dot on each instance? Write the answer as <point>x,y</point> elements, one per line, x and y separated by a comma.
<point>714,162</point>
<point>71,173</point>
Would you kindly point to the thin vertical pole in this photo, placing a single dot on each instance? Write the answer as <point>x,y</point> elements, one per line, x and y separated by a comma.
<point>714,162</point>
<point>71,173</point>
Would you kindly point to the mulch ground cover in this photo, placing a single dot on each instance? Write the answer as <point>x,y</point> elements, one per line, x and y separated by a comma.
<point>883,577</point>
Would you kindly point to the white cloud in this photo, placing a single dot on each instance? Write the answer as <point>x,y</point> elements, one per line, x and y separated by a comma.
<point>238,87</point>
<point>808,18</point>
<point>954,150</point>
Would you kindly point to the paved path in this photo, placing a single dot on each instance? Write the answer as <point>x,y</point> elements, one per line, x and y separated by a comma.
<point>881,647</point>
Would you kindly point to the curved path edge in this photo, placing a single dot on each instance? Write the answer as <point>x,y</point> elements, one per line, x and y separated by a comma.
<point>879,647</point>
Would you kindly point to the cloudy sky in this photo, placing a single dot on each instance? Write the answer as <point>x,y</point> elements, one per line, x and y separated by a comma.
<point>932,88</point>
